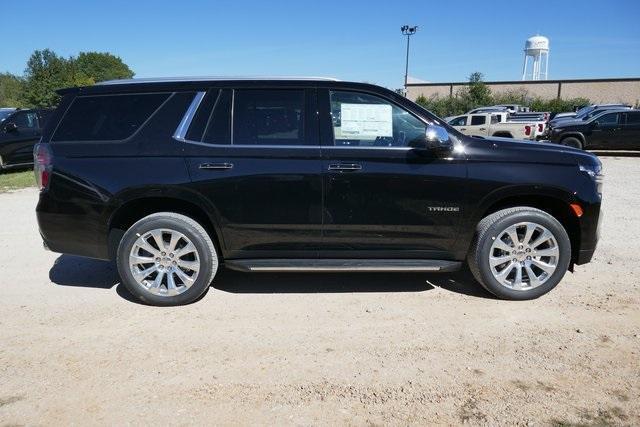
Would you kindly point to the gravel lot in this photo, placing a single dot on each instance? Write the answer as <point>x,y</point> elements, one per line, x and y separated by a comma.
<point>321,349</point>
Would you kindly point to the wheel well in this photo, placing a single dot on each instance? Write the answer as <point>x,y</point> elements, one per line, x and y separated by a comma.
<point>503,134</point>
<point>557,208</point>
<point>132,211</point>
<point>577,136</point>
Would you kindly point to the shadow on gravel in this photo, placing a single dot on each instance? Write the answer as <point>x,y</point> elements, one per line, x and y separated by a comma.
<point>70,270</point>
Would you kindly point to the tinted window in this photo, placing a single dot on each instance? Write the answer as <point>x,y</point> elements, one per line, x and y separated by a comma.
<point>369,121</point>
<point>633,118</point>
<point>212,121</point>
<point>25,119</point>
<point>459,121</point>
<point>268,117</point>
<point>478,120</point>
<point>107,117</point>
<point>608,119</point>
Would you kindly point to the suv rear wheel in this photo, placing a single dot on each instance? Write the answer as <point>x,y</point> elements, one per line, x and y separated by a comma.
<point>519,253</point>
<point>167,259</point>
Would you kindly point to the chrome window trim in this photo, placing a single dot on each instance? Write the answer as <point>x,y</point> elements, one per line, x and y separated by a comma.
<point>185,123</point>
<point>181,131</point>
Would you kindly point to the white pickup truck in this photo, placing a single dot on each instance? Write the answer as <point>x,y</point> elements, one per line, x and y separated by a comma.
<point>496,124</point>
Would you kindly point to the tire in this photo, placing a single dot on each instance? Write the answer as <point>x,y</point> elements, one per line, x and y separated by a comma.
<point>486,244</point>
<point>572,142</point>
<point>187,271</point>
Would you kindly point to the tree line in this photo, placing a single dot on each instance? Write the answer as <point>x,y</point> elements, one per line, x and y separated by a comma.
<point>478,94</point>
<point>47,72</point>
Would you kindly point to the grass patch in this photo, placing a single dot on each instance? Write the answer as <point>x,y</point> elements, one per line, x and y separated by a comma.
<point>16,180</point>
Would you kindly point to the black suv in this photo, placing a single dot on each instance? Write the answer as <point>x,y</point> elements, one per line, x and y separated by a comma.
<point>173,178</point>
<point>608,130</point>
<point>19,132</point>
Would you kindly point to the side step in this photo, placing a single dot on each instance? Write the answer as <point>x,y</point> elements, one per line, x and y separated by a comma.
<point>346,265</point>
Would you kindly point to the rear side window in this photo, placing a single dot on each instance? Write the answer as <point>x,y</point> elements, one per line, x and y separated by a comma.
<point>107,117</point>
<point>268,117</point>
<point>477,120</point>
<point>633,118</point>
<point>212,122</point>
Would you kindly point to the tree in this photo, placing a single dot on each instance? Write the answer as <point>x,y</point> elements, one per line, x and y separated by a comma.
<point>479,93</point>
<point>10,90</point>
<point>46,72</point>
<point>101,66</point>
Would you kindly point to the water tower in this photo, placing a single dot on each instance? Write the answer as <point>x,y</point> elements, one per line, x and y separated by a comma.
<point>536,47</point>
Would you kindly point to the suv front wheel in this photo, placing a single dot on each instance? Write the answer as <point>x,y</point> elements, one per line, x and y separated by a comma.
<point>167,259</point>
<point>519,253</point>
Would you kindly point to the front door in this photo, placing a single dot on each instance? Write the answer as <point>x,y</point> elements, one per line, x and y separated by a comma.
<point>383,198</point>
<point>605,133</point>
<point>18,134</point>
<point>260,169</point>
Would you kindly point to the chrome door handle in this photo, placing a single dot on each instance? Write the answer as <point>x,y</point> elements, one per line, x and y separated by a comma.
<point>483,128</point>
<point>345,167</point>
<point>216,166</point>
<point>463,128</point>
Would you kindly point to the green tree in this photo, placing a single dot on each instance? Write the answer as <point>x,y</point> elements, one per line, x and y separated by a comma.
<point>478,92</point>
<point>11,90</point>
<point>46,72</point>
<point>100,66</point>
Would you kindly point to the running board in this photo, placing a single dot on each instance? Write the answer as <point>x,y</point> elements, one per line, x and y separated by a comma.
<point>346,265</point>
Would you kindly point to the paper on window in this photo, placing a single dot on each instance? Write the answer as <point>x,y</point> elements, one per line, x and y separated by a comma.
<point>362,121</point>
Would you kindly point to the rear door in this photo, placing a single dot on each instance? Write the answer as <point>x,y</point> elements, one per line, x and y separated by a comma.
<point>16,143</point>
<point>254,154</point>
<point>631,131</point>
<point>383,198</point>
<point>477,125</point>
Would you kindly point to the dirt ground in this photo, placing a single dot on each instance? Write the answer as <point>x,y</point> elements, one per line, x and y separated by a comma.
<point>321,349</point>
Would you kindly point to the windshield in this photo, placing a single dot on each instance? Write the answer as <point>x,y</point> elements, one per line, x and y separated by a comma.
<point>4,115</point>
<point>584,111</point>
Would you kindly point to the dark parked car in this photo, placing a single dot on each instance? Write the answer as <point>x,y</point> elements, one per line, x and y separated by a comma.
<point>586,113</point>
<point>173,178</point>
<point>609,130</point>
<point>19,132</point>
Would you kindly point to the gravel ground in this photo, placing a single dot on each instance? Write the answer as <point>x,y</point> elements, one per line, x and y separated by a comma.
<point>321,349</point>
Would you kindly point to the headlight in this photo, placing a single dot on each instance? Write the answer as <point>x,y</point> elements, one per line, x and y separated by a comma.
<point>593,171</point>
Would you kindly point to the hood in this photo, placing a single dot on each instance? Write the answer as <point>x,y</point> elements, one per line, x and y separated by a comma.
<point>517,151</point>
<point>569,121</point>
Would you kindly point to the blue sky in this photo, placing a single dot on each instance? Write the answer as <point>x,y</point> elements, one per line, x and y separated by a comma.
<point>351,40</point>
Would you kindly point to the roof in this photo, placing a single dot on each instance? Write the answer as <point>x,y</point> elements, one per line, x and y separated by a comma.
<point>213,78</point>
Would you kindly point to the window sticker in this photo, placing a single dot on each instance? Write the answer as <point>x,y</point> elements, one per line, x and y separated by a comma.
<point>366,121</point>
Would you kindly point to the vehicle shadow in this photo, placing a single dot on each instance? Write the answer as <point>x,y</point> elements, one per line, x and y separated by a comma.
<point>70,270</point>
<point>603,153</point>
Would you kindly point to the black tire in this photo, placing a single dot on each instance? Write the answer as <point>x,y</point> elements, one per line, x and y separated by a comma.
<point>489,229</point>
<point>189,228</point>
<point>572,142</point>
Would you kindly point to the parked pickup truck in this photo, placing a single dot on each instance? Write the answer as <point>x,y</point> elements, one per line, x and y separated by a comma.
<point>496,124</point>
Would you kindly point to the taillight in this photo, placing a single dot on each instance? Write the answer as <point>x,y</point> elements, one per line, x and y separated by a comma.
<point>527,130</point>
<point>540,127</point>
<point>42,164</point>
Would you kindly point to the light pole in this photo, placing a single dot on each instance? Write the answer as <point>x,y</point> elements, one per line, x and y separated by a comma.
<point>407,31</point>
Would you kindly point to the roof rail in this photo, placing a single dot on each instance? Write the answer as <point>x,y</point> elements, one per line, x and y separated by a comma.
<point>211,78</point>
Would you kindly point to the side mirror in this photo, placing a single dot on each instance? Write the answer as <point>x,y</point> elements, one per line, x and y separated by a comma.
<point>596,124</point>
<point>10,127</point>
<point>438,138</point>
